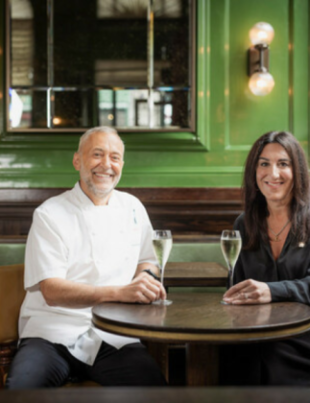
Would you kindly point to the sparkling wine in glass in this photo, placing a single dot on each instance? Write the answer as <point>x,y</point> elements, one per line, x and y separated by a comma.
<point>162,244</point>
<point>231,243</point>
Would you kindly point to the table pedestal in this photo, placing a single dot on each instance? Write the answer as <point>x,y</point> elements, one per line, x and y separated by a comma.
<point>202,364</point>
<point>160,352</point>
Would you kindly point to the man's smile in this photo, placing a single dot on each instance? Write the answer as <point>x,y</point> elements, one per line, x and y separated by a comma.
<point>103,175</point>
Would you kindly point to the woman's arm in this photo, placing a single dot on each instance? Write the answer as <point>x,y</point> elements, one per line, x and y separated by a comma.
<point>248,292</point>
<point>257,292</point>
<point>291,290</point>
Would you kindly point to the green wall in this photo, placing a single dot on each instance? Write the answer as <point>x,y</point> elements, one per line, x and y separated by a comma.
<point>229,117</point>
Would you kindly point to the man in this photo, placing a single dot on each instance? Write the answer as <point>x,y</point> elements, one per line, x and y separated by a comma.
<point>89,245</point>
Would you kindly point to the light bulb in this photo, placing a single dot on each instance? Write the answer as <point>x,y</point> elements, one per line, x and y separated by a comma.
<point>261,83</point>
<point>262,32</point>
<point>56,120</point>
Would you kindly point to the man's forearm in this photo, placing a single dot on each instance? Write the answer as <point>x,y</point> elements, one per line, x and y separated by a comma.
<point>61,292</point>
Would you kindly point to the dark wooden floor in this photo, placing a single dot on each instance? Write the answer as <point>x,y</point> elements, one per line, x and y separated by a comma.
<point>161,395</point>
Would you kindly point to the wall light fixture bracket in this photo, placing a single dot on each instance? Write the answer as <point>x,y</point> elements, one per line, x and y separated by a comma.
<point>258,59</point>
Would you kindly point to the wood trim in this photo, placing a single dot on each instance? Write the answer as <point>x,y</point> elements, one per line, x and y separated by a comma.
<point>195,274</point>
<point>177,238</point>
<point>35,195</point>
<point>199,212</point>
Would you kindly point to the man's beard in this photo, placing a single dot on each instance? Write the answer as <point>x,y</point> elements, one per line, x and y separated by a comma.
<point>100,193</point>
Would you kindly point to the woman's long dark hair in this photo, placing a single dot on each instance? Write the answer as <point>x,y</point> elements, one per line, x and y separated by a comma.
<point>255,203</point>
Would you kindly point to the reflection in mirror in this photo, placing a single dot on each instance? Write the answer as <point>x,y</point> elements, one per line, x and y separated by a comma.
<point>75,64</point>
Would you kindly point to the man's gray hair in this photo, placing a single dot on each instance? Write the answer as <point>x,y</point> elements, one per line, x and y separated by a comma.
<point>100,129</point>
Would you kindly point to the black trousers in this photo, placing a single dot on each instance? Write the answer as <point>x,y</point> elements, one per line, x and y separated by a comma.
<point>41,364</point>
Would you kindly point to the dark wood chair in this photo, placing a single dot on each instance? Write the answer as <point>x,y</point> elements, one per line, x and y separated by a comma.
<point>12,295</point>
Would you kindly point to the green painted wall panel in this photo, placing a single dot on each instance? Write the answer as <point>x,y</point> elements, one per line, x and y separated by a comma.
<point>229,117</point>
<point>249,114</point>
<point>2,42</point>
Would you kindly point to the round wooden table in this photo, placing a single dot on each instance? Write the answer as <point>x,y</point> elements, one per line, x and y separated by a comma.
<point>202,323</point>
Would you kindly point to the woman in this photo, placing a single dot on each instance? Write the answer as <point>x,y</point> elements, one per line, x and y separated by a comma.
<point>274,264</point>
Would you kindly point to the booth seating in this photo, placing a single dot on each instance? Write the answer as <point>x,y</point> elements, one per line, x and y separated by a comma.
<point>12,289</point>
<point>12,294</point>
<point>12,253</point>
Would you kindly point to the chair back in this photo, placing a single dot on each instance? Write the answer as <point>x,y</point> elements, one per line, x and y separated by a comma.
<point>12,295</point>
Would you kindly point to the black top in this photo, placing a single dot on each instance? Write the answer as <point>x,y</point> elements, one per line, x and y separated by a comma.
<point>284,362</point>
<point>288,277</point>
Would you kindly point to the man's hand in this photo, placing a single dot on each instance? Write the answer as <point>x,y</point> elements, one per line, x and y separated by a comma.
<point>143,289</point>
<point>248,292</point>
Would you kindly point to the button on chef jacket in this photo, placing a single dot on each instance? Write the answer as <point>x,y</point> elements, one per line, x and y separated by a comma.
<point>73,239</point>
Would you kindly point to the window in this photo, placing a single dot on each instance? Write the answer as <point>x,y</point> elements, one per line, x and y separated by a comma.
<point>75,64</point>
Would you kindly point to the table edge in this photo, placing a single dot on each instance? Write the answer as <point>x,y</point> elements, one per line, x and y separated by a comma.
<point>214,337</point>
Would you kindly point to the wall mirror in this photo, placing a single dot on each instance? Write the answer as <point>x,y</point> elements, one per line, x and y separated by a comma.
<point>74,64</point>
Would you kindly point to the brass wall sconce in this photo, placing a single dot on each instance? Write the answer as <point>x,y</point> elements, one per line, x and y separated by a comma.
<point>261,81</point>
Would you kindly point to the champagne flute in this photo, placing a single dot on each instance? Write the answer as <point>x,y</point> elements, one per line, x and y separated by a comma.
<point>231,243</point>
<point>162,244</point>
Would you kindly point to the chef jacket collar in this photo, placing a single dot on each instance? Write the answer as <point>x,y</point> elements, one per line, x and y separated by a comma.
<point>86,201</point>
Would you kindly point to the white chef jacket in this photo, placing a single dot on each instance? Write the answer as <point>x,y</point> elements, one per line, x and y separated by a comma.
<point>73,239</point>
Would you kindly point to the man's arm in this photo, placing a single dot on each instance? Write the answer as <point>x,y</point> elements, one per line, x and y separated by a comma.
<point>142,289</point>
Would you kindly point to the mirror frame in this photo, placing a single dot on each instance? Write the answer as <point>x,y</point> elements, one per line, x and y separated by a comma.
<point>134,130</point>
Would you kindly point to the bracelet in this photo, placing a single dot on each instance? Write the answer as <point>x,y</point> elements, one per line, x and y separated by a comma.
<point>148,271</point>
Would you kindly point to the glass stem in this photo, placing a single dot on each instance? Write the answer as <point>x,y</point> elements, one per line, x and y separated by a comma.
<point>162,274</point>
<point>230,276</point>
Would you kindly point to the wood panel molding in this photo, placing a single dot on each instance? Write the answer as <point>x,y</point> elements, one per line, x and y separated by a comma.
<point>199,212</point>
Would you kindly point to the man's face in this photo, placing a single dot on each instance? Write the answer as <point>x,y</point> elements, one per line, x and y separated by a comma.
<point>100,163</point>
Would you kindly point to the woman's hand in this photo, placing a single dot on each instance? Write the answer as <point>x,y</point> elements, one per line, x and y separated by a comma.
<point>248,292</point>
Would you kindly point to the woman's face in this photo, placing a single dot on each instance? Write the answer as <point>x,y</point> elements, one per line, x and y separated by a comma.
<point>274,174</point>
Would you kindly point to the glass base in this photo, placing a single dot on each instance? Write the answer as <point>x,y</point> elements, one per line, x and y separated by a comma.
<point>162,302</point>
